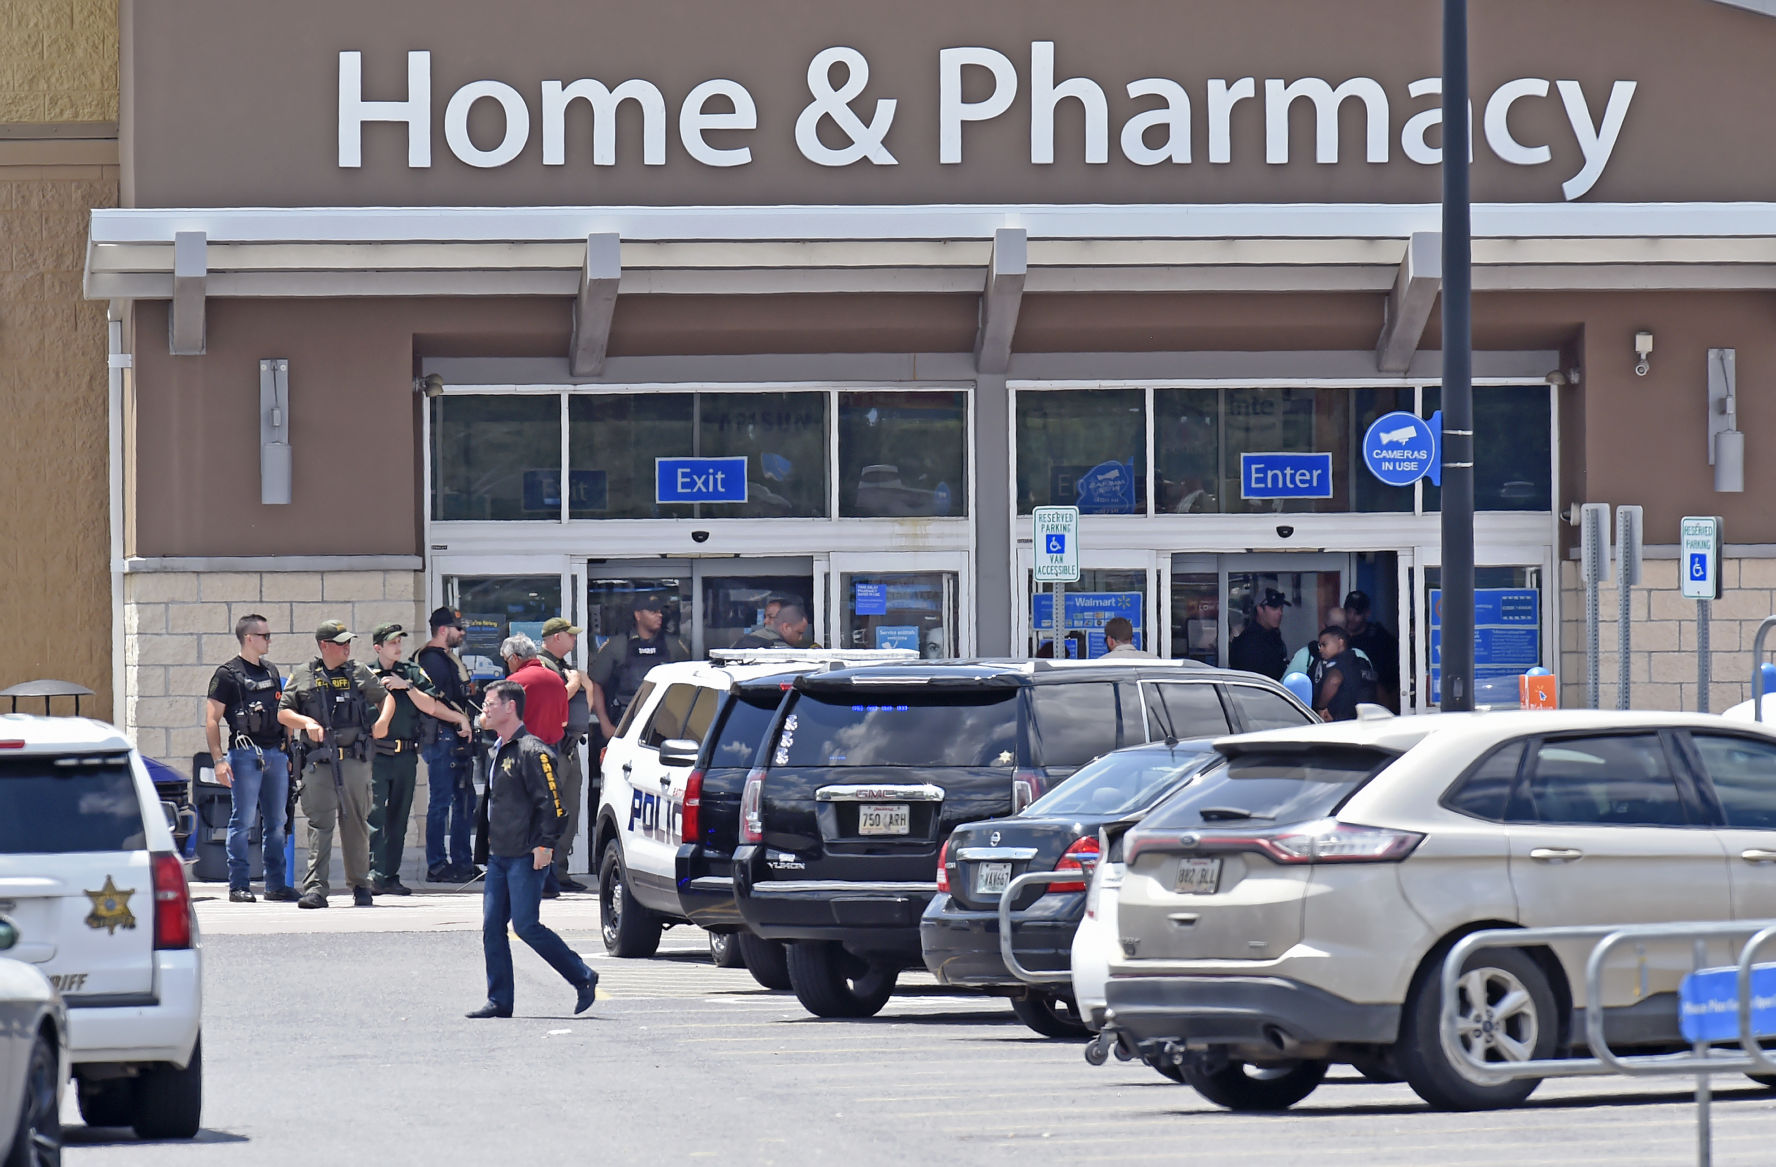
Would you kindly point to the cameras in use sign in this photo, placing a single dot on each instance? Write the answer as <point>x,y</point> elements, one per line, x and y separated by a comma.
<point>1057,544</point>
<point>1699,553</point>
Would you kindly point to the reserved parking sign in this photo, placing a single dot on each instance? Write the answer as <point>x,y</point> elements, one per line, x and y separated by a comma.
<point>1699,550</point>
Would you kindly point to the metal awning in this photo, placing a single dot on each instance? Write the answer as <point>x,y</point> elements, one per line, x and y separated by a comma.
<point>452,251</point>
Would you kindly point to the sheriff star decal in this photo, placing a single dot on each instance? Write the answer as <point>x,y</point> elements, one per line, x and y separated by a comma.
<point>506,766</point>
<point>111,907</point>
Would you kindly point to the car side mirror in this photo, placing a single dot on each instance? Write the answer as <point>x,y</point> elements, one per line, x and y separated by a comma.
<point>171,812</point>
<point>679,751</point>
<point>9,934</point>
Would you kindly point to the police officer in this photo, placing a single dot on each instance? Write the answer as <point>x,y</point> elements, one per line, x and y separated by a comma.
<point>559,638</point>
<point>253,765</point>
<point>450,760</point>
<point>1259,647</point>
<point>520,822</point>
<point>1375,642</point>
<point>394,768</point>
<point>332,703</point>
<point>619,667</point>
<point>1342,680</point>
<point>787,629</point>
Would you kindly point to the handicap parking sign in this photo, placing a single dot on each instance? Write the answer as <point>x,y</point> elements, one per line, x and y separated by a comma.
<point>1056,545</point>
<point>1698,567</point>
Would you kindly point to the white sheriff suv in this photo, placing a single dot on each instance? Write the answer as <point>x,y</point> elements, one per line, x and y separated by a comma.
<point>89,874</point>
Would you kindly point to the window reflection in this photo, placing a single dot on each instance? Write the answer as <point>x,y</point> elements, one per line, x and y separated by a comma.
<point>496,457</point>
<point>1083,447</point>
<point>902,454</point>
<point>783,438</point>
<point>613,440</point>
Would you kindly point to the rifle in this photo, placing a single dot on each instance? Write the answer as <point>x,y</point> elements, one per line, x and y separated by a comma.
<point>330,744</point>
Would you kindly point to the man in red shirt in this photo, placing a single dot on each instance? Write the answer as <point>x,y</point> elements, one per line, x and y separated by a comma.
<point>545,693</point>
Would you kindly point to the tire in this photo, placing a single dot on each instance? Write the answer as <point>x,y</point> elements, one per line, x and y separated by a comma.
<point>1239,1086</point>
<point>1377,1069</point>
<point>1170,1070</point>
<point>38,1141</point>
<point>830,982</point>
<point>629,929</point>
<point>1051,1015</point>
<point>105,1103</point>
<point>766,960</point>
<point>1765,1080</point>
<point>724,950</point>
<point>168,1102</point>
<point>1505,977</point>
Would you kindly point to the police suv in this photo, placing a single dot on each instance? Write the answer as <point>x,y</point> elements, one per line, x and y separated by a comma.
<point>668,818</point>
<point>89,875</point>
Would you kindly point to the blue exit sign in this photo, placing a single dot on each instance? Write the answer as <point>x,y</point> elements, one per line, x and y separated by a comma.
<point>1285,475</point>
<point>699,480</point>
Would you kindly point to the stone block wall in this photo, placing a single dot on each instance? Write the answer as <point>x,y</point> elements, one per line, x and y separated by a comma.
<point>1662,637</point>
<point>61,61</point>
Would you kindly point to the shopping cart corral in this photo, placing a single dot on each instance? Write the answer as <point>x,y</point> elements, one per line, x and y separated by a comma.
<point>1731,1006</point>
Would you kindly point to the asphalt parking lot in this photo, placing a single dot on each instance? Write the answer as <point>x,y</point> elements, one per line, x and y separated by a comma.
<point>339,1034</point>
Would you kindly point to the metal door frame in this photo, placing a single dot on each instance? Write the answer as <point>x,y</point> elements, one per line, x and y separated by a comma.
<point>838,564</point>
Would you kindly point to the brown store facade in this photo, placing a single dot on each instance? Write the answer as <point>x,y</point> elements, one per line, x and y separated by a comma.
<point>920,274</point>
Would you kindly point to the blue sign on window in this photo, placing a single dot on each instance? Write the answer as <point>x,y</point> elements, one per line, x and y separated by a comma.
<point>1400,448</point>
<point>898,636</point>
<point>699,480</point>
<point>1280,475</point>
<point>872,599</point>
<point>1507,634</point>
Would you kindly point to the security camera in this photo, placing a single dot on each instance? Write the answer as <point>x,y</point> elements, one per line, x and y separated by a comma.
<point>430,385</point>
<point>1285,532</point>
<point>1643,348</point>
<point>1642,368</point>
<point>699,536</point>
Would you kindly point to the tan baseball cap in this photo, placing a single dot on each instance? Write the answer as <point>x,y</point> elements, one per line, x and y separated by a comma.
<point>336,632</point>
<point>556,624</point>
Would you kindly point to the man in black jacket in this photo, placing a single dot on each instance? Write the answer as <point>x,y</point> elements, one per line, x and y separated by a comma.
<point>520,822</point>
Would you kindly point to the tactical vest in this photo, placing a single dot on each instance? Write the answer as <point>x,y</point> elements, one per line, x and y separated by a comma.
<point>579,705</point>
<point>345,709</point>
<point>255,711</point>
<point>454,695</point>
<point>634,669</point>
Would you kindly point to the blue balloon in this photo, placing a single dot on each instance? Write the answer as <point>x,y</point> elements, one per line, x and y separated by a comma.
<point>1769,675</point>
<point>1298,684</point>
<point>1538,671</point>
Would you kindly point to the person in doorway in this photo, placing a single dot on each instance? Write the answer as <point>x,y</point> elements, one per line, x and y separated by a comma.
<point>252,763</point>
<point>559,640</point>
<point>788,629</point>
<point>1259,647</point>
<point>449,758</point>
<point>617,670</point>
<point>773,605</point>
<point>1119,639</point>
<point>331,703</point>
<point>545,693</point>
<point>520,823</point>
<point>1376,643</point>
<point>1341,679</point>
<point>394,766</point>
<point>1305,656</point>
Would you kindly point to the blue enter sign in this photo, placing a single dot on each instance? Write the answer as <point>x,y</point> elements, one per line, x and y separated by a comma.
<point>700,479</point>
<point>1285,475</point>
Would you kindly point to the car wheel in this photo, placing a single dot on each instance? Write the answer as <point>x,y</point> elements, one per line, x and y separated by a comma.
<point>168,1101</point>
<point>629,928</point>
<point>830,982</point>
<point>104,1103</point>
<point>1376,1068</point>
<point>724,950</point>
<point>1506,1013</point>
<point>38,1142</point>
<point>766,960</point>
<point>1242,1086</point>
<point>1168,1069</point>
<point>1050,1015</point>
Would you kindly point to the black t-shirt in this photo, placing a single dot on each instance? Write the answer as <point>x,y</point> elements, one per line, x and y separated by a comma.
<point>1259,650</point>
<point>440,664</point>
<point>1383,652</point>
<point>239,703</point>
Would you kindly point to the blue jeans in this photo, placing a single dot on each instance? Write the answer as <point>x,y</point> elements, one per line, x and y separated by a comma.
<point>514,891</point>
<point>450,805</point>
<point>262,788</point>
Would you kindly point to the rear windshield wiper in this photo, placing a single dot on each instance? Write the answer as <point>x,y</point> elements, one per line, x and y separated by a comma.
<point>1222,814</point>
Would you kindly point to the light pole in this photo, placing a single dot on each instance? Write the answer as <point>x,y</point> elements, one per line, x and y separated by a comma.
<point>1457,623</point>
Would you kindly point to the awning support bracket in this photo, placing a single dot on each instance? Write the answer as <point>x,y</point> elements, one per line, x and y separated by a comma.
<point>191,268</point>
<point>595,305</point>
<point>1409,304</point>
<point>1001,298</point>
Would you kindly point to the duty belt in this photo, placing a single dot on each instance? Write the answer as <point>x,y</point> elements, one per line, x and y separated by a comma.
<point>396,745</point>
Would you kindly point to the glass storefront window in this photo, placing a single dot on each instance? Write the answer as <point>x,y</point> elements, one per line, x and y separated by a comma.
<point>783,437</point>
<point>613,440</point>
<point>1508,617</point>
<point>610,605</point>
<point>1100,596</point>
<point>1084,448</point>
<point>903,454</point>
<point>495,607</point>
<point>734,605</point>
<point>900,609</point>
<point>1513,448</point>
<point>496,457</point>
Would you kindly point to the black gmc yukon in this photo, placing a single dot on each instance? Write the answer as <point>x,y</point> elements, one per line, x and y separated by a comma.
<point>866,771</point>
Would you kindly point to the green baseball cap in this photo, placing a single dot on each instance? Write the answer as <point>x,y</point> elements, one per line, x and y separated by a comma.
<point>556,624</point>
<point>385,632</point>
<point>335,631</point>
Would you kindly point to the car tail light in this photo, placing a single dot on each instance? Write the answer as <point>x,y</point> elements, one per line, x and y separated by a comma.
<point>172,902</point>
<point>943,867</point>
<point>1322,842</point>
<point>752,808</point>
<point>1081,856</point>
<point>1026,787</point>
<point>690,820</point>
<point>12,744</point>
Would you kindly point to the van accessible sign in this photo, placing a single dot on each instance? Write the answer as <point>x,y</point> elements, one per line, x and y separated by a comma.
<point>716,119</point>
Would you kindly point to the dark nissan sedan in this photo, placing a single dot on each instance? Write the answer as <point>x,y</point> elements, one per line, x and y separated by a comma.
<point>1057,832</point>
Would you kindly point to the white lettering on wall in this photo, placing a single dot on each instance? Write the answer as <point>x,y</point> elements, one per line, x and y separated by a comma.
<point>604,103</point>
<point>952,111</point>
<point>695,119</point>
<point>416,110</point>
<point>835,104</point>
<point>1045,95</point>
<point>1223,96</point>
<point>1173,117</point>
<point>1596,142</point>
<point>456,123</point>
<point>1413,142</point>
<point>1498,123</point>
<point>1278,97</point>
